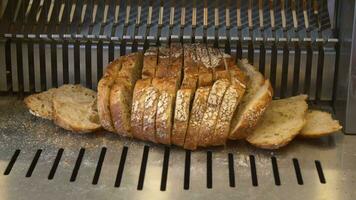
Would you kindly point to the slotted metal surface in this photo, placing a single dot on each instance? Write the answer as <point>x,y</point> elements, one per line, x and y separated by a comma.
<point>106,166</point>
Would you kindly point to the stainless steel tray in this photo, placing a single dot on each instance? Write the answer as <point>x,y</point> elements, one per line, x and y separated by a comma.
<point>235,171</point>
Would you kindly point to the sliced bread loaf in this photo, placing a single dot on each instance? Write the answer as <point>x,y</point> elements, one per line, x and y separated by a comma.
<point>207,126</point>
<point>318,124</point>
<point>282,121</point>
<point>75,109</point>
<point>41,104</point>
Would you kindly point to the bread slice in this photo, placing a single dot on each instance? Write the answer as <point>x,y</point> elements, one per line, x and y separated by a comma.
<point>40,104</point>
<point>104,88</point>
<point>181,115</point>
<point>120,107</point>
<point>165,108</point>
<point>207,126</point>
<point>75,109</point>
<point>150,62</point>
<point>149,113</point>
<point>253,104</point>
<point>231,100</point>
<point>138,107</point>
<point>121,93</point>
<point>282,121</point>
<point>196,117</point>
<point>318,124</point>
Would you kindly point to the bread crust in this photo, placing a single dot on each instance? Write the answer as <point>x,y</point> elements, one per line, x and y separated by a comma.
<point>137,107</point>
<point>207,126</point>
<point>104,87</point>
<point>149,114</point>
<point>231,100</point>
<point>150,62</point>
<point>181,115</point>
<point>250,117</point>
<point>165,108</point>
<point>196,116</point>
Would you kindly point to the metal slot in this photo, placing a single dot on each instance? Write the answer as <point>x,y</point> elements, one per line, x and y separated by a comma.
<point>209,170</point>
<point>141,178</point>
<point>298,172</point>
<point>253,171</point>
<point>231,170</point>
<point>320,171</point>
<point>165,169</point>
<point>120,170</point>
<point>277,180</point>
<point>12,162</point>
<point>55,164</point>
<point>14,68</point>
<point>187,170</point>
<point>78,162</point>
<point>33,163</point>
<point>99,166</point>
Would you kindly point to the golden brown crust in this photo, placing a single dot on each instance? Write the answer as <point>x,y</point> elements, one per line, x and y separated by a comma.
<point>165,108</point>
<point>207,126</point>
<point>181,115</point>
<point>196,116</point>
<point>231,100</point>
<point>150,62</point>
<point>137,107</point>
<point>149,114</point>
<point>250,118</point>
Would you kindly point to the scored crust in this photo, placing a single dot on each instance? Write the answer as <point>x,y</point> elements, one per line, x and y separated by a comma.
<point>181,115</point>
<point>283,120</point>
<point>207,126</point>
<point>318,124</point>
<point>149,114</point>
<point>137,107</point>
<point>165,108</point>
<point>196,116</point>
<point>231,100</point>
<point>74,109</point>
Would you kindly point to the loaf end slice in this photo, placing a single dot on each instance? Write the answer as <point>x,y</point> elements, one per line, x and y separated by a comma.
<point>250,111</point>
<point>41,104</point>
<point>282,121</point>
<point>75,109</point>
<point>318,124</point>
